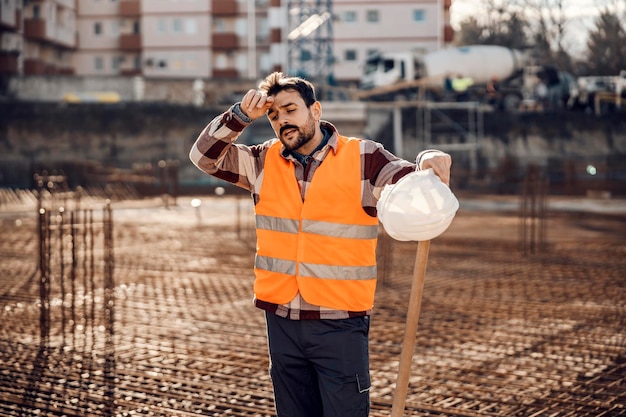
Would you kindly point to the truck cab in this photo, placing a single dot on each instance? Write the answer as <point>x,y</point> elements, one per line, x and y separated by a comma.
<point>389,68</point>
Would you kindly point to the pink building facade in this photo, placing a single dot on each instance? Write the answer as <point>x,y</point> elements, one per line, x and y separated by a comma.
<point>205,39</point>
<point>39,37</point>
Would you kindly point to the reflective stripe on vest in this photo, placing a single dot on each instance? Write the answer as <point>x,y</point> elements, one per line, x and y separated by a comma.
<point>325,247</point>
<point>317,227</point>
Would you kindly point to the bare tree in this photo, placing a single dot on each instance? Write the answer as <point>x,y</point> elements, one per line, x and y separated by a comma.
<point>548,29</point>
<point>543,26</point>
<point>499,25</point>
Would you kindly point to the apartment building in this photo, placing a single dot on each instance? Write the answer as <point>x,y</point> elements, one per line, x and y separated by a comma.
<point>365,27</point>
<point>105,46</point>
<point>37,37</point>
<point>172,38</point>
<point>212,39</point>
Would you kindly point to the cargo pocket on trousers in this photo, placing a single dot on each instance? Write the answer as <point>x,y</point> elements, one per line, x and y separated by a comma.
<point>363,383</point>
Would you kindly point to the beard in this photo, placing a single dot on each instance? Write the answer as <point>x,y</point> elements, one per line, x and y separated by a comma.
<point>304,134</point>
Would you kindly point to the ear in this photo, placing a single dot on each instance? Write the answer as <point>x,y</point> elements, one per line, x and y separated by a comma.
<point>316,110</point>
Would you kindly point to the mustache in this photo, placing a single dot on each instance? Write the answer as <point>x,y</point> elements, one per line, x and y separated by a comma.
<point>282,129</point>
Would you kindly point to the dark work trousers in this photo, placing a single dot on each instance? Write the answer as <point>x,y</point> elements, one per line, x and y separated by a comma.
<point>319,368</point>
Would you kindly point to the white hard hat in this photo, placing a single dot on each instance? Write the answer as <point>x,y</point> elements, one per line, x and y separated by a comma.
<point>418,207</point>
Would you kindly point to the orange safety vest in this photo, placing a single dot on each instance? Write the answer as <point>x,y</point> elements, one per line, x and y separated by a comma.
<point>323,247</point>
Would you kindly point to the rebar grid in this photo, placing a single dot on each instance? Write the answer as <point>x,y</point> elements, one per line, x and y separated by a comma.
<point>500,334</point>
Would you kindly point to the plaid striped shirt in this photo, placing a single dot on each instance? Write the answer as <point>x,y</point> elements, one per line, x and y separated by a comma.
<point>216,153</point>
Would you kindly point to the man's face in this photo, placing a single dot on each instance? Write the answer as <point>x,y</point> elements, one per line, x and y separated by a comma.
<point>294,123</point>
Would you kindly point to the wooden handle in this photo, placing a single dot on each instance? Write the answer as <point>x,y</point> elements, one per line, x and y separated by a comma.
<point>410,331</point>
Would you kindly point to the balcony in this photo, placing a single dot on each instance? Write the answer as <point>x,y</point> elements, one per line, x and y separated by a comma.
<point>130,42</point>
<point>8,62</point>
<point>66,71</point>
<point>225,41</point>
<point>34,66</point>
<point>35,29</point>
<point>276,35</point>
<point>225,73</point>
<point>130,8</point>
<point>223,7</point>
<point>130,72</point>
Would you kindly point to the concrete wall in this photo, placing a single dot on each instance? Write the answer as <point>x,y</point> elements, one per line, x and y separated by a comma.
<point>53,88</point>
<point>129,135</point>
<point>564,145</point>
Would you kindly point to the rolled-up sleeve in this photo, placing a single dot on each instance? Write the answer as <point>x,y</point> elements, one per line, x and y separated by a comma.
<point>216,153</point>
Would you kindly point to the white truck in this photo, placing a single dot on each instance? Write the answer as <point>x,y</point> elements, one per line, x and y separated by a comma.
<point>478,62</point>
<point>393,74</point>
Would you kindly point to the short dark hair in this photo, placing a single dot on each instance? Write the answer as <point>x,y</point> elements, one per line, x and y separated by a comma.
<point>277,82</point>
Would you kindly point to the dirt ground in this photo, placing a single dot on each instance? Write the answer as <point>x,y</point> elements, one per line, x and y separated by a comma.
<point>508,327</point>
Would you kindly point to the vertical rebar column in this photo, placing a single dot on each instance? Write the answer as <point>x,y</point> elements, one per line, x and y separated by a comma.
<point>532,212</point>
<point>84,256</point>
<point>44,273</point>
<point>61,225</point>
<point>73,270</point>
<point>109,311</point>
<point>91,233</point>
<point>109,282</point>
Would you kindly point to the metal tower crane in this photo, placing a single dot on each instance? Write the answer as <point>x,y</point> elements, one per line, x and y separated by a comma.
<point>310,39</point>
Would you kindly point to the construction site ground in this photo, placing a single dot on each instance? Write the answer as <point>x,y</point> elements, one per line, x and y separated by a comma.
<point>503,331</point>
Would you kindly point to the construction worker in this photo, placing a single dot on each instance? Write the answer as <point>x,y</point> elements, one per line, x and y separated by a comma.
<point>315,194</point>
<point>460,85</point>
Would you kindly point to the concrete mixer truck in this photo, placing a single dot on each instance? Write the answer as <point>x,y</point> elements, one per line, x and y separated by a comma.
<point>392,74</point>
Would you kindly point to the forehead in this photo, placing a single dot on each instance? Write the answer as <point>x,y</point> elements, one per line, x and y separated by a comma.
<point>286,98</point>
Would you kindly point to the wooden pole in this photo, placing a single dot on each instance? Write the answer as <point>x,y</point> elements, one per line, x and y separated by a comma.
<point>410,331</point>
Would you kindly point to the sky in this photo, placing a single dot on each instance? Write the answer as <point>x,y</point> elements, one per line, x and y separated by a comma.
<point>580,13</point>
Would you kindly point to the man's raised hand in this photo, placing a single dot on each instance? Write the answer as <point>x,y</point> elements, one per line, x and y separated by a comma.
<point>256,104</point>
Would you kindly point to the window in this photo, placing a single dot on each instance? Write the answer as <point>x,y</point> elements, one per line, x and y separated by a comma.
<point>219,25</point>
<point>419,15</point>
<point>349,16</point>
<point>241,27</point>
<point>162,26</point>
<point>116,62</point>
<point>265,62</point>
<point>350,55</point>
<point>372,16</point>
<point>97,28</point>
<point>98,63</point>
<point>221,61</point>
<point>177,26</point>
<point>263,30</point>
<point>191,26</point>
<point>388,65</point>
<point>115,28</point>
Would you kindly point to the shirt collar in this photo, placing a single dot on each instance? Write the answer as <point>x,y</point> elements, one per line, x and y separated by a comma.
<point>330,139</point>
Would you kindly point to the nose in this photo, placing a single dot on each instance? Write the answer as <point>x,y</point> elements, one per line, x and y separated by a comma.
<point>282,119</point>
